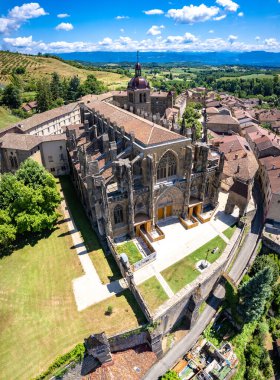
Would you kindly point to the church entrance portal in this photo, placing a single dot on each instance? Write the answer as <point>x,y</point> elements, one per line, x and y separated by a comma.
<point>165,212</point>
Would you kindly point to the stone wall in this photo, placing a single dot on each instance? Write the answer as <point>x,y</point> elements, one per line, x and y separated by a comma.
<point>128,339</point>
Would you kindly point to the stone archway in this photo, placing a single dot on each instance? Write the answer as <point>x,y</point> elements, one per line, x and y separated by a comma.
<point>169,203</point>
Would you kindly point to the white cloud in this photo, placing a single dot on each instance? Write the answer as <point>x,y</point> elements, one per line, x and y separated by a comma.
<point>229,5</point>
<point>19,15</point>
<point>186,42</point>
<point>106,41</point>
<point>219,18</point>
<point>271,42</point>
<point>154,12</point>
<point>257,38</point>
<point>240,14</point>
<point>211,31</point>
<point>121,17</point>
<point>122,30</point>
<point>185,39</point>
<point>232,38</point>
<point>20,41</point>
<point>66,26</point>
<point>192,13</point>
<point>63,15</point>
<point>155,30</point>
<point>27,11</point>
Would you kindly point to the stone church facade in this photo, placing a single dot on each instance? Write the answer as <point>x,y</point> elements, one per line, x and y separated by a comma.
<point>131,173</point>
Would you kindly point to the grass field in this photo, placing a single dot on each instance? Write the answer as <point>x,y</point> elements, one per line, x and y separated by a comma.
<point>153,293</point>
<point>38,315</point>
<point>184,272</point>
<point>7,118</point>
<point>36,67</point>
<point>106,267</point>
<point>230,231</point>
<point>131,251</point>
<point>249,76</point>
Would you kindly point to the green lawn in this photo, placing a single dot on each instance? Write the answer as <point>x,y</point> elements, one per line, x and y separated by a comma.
<point>230,231</point>
<point>153,293</point>
<point>184,272</point>
<point>7,118</point>
<point>106,267</point>
<point>131,251</point>
<point>38,314</point>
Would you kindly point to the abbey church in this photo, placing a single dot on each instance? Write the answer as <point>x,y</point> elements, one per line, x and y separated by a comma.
<point>132,172</point>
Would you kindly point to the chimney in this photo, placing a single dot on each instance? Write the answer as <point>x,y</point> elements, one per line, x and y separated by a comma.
<point>238,168</point>
<point>236,156</point>
<point>273,167</point>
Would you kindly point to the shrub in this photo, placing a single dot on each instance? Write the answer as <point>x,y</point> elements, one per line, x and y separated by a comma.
<point>109,310</point>
<point>75,355</point>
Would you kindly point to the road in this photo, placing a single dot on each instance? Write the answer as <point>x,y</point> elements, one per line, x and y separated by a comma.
<point>241,262</point>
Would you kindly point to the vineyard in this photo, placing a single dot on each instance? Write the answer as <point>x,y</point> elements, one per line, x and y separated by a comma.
<point>37,66</point>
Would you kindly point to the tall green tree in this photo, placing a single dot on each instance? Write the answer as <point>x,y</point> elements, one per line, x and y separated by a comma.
<point>254,295</point>
<point>11,96</point>
<point>55,86</point>
<point>43,96</point>
<point>28,202</point>
<point>74,89</point>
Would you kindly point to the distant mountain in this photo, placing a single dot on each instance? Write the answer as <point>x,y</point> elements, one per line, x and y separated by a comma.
<point>253,58</point>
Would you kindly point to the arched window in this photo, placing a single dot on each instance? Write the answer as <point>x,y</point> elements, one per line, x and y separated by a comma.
<point>167,166</point>
<point>118,214</point>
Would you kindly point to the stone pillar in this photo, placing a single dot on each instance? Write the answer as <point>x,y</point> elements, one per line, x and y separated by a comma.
<point>98,346</point>
<point>151,173</point>
<point>188,175</point>
<point>156,343</point>
<point>217,180</point>
<point>113,151</point>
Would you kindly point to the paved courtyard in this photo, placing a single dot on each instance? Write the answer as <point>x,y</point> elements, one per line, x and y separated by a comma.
<point>180,242</point>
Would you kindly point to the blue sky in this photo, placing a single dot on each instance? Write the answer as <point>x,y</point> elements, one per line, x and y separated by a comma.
<point>89,25</point>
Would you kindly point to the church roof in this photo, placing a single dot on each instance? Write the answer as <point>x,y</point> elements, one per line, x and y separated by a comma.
<point>138,83</point>
<point>146,132</point>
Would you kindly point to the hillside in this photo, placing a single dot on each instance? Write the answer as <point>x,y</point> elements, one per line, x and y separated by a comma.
<point>38,66</point>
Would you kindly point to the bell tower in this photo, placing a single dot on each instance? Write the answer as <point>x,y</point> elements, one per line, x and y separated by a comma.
<point>138,91</point>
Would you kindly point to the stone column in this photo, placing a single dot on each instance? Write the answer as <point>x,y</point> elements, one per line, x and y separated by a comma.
<point>188,175</point>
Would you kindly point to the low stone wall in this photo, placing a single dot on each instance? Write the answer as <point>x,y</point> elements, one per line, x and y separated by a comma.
<point>270,243</point>
<point>128,339</point>
<point>146,260</point>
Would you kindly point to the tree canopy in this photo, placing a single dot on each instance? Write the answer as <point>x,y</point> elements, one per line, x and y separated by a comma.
<point>28,202</point>
<point>254,295</point>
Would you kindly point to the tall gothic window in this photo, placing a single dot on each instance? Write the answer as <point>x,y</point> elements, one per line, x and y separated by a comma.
<point>167,166</point>
<point>118,214</point>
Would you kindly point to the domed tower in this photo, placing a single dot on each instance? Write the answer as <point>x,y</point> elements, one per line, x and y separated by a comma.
<point>139,92</point>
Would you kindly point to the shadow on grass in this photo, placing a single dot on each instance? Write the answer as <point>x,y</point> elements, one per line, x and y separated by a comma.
<point>28,239</point>
<point>83,225</point>
<point>141,319</point>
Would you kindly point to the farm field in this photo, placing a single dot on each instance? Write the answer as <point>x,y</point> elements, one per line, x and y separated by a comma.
<point>38,314</point>
<point>37,66</point>
<point>7,118</point>
<point>249,76</point>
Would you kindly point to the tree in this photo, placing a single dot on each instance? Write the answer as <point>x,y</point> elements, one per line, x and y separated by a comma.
<point>170,375</point>
<point>11,96</point>
<point>28,202</point>
<point>55,86</point>
<point>43,96</point>
<point>92,86</point>
<point>254,294</point>
<point>74,90</point>
<point>266,261</point>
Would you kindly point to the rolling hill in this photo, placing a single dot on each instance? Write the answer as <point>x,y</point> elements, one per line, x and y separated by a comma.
<point>38,66</point>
